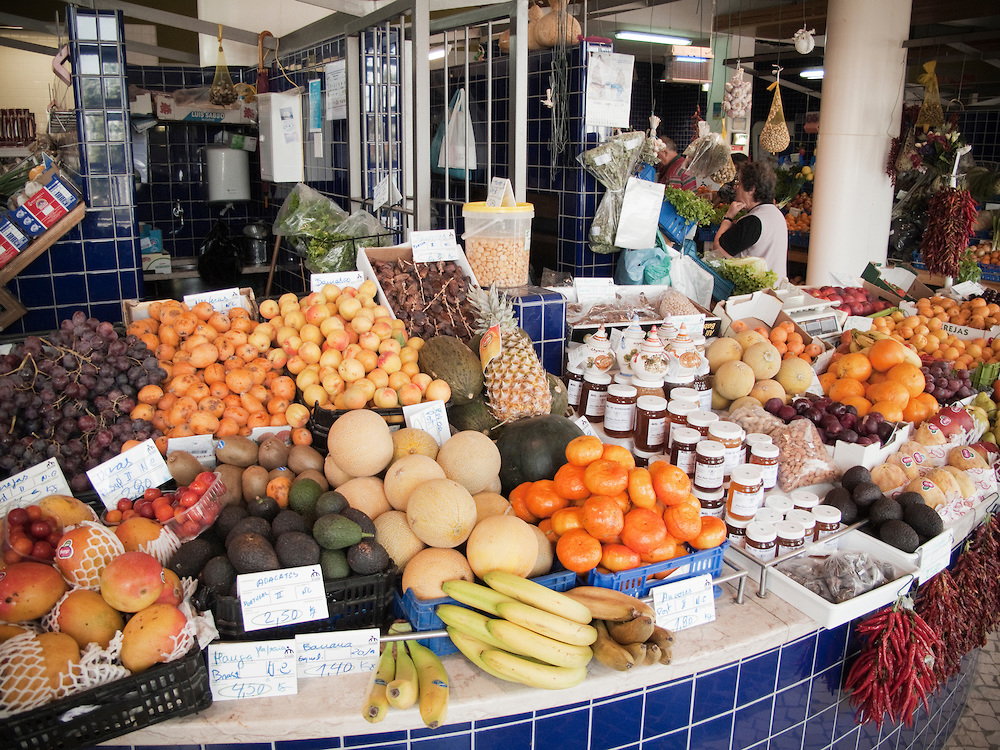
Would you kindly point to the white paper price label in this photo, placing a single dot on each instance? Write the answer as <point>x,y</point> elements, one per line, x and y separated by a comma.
<point>334,654</point>
<point>429,416</point>
<point>433,245</point>
<point>129,474</point>
<point>202,447</point>
<point>33,484</point>
<point>282,597</point>
<point>252,670</point>
<point>684,604</point>
<point>935,555</point>
<point>584,424</point>
<point>221,300</point>
<point>345,278</point>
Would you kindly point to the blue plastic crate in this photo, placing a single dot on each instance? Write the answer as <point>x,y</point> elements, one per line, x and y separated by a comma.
<point>422,613</point>
<point>676,227</point>
<point>639,581</point>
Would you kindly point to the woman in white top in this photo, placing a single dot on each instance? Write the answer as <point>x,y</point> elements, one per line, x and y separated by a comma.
<point>761,232</point>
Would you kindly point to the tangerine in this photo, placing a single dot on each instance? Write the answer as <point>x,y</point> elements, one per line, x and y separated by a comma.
<point>578,551</point>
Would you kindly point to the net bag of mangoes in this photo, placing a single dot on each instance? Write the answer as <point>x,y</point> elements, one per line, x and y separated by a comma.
<point>775,137</point>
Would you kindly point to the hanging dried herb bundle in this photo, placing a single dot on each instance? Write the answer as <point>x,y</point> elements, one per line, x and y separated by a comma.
<point>951,215</point>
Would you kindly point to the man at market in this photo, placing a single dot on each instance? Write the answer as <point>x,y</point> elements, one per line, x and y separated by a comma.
<point>670,170</point>
<point>761,231</point>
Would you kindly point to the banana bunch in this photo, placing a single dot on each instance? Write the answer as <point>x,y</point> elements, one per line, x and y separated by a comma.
<point>627,633</point>
<point>861,341</point>
<point>408,673</point>
<point>520,631</point>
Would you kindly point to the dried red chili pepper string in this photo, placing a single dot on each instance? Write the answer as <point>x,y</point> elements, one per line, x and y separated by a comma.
<point>951,216</point>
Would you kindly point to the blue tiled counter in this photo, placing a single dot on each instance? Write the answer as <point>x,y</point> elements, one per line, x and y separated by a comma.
<point>760,677</point>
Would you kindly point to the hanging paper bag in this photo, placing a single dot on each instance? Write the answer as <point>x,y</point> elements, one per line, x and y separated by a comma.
<point>931,115</point>
<point>775,137</point>
<point>640,214</point>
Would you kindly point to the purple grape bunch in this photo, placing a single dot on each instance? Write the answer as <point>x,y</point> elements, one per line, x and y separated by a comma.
<point>834,420</point>
<point>69,395</point>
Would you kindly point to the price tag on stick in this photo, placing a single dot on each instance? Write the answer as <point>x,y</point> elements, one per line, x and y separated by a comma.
<point>684,604</point>
<point>263,669</point>
<point>334,654</point>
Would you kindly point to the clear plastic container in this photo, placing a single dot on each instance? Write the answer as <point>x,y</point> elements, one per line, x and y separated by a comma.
<point>498,242</point>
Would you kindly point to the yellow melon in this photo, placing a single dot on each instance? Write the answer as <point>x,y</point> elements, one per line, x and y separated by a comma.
<point>410,440</point>
<point>441,513</point>
<point>490,504</point>
<point>367,495</point>
<point>764,359</point>
<point>724,349</point>
<point>502,543</point>
<point>733,380</point>
<point>794,375</point>
<point>765,390</point>
<point>405,474</point>
<point>471,459</point>
<point>394,533</point>
<point>431,567</point>
<point>360,443</point>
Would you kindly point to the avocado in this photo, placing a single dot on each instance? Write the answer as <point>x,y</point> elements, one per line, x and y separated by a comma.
<point>885,509</point>
<point>333,563</point>
<point>924,519</point>
<point>855,476</point>
<point>253,524</point>
<point>264,507</point>
<point>228,517</point>
<point>900,535</point>
<point>218,575</point>
<point>864,494</point>
<point>334,531</point>
<point>360,518</point>
<point>191,557</point>
<point>910,498</point>
<point>303,495</point>
<point>367,557</point>
<point>288,520</point>
<point>329,502</point>
<point>295,548</point>
<point>252,553</point>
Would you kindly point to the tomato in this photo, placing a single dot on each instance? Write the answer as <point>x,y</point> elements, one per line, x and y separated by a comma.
<point>152,493</point>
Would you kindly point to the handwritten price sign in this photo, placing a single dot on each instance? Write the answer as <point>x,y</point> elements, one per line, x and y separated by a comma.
<point>33,484</point>
<point>334,654</point>
<point>282,597</point>
<point>684,604</point>
<point>252,670</point>
<point>129,474</point>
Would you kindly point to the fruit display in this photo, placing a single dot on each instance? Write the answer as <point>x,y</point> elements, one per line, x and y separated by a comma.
<point>72,396</point>
<point>854,300</point>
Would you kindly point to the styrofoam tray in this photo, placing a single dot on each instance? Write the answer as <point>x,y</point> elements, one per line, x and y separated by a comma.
<point>828,614</point>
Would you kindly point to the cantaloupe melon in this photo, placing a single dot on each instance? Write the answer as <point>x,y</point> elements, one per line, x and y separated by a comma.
<point>765,390</point>
<point>795,375</point>
<point>431,567</point>
<point>490,504</point>
<point>366,494</point>
<point>748,338</point>
<point>546,554</point>
<point>502,543</point>
<point>471,459</point>
<point>404,475</point>
<point>724,349</point>
<point>360,443</point>
<point>441,513</point>
<point>733,380</point>
<point>393,532</point>
<point>764,359</point>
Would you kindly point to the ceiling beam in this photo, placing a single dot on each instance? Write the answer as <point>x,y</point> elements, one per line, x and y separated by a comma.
<point>27,46</point>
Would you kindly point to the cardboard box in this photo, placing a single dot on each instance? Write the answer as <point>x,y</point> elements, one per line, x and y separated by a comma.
<point>133,309</point>
<point>894,284</point>
<point>166,108</point>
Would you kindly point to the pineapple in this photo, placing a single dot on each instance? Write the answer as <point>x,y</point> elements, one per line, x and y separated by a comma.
<point>515,380</point>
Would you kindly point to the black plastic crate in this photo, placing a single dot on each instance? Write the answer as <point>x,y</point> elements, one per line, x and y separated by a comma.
<point>162,692</point>
<point>355,602</point>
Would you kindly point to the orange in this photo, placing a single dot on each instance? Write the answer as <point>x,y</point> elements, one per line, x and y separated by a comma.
<point>569,482</point>
<point>565,519</point>
<point>616,557</point>
<point>602,517</point>
<point>854,365</point>
<point>583,449</point>
<point>890,390</point>
<point>578,551</point>
<point>892,411</point>
<point>683,522</point>
<point>909,375</point>
<point>670,483</point>
<point>860,403</point>
<point>885,354</point>
<point>643,530</point>
<point>620,455</point>
<point>516,499</point>
<point>542,500</point>
<point>640,488</point>
<point>845,388</point>
<point>713,533</point>
<point>605,477</point>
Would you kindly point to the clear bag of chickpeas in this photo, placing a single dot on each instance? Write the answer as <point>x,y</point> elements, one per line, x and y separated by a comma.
<point>498,242</point>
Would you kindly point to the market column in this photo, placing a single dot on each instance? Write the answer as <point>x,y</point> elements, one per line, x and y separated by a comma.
<point>865,72</point>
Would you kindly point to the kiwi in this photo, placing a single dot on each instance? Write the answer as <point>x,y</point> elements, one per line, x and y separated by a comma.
<point>229,517</point>
<point>232,479</point>
<point>900,535</point>
<point>304,457</point>
<point>183,467</point>
<point>295,548</point>
<point>250,524</point>
<point>855,476</point>
<point>883,510</point>
<point>924,519</point>
<point>865,493</point>
<point>236,450</point>
<point>264,507</point>
<point>254,482</point>
<point>273,453</point>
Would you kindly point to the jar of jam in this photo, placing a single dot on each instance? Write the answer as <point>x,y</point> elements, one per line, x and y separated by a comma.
<point>619,411</point>
<point>683,451</point>
<point>677,412</point>
<point>827,522</point>
<point>779,503</point>
<point>736,531</point>
<point>650,423</point>
<point>644,458</point>
<point>752,439</point>
<point>594,395</point>
<point>746,491</point>
<point>804,500</point>
<point>685,394</point>
<point>791,537</point>
<point>713,502</point>
<point>730,436</point>
<point>703,384</point>
<point>701,420</point>
<point>765,455</point>
<point>574,384</point>
<point>808,521</point>
<point>708,469</point>
<point>768,515</point>
<point>761,540</point>
<point>648,387</point>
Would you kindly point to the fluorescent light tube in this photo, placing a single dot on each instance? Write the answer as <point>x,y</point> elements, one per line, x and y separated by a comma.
<point>645,36</point>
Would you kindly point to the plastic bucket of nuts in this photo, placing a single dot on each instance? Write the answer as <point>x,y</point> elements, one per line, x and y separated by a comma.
<point>498,242</point>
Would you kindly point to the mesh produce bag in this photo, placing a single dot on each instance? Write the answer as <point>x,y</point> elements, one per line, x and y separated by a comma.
<point>222,91</point>
<point>775,137</point>
<point>931,114</point>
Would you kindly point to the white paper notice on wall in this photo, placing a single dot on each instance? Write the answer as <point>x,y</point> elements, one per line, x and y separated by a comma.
<point>684,604</point>
<point>262,669</point>
<point>276,598</point>
<point>221,299</point>
<point>129,474</point>
<point>433,245</point>
<point>202,447</point>
<point>429,416</point>
<point>339,653</point>
<point>609,89</point>
<point>33,484</point>
<point>343,278</point>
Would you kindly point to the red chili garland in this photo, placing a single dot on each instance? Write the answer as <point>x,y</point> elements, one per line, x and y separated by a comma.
<point>951,215</point>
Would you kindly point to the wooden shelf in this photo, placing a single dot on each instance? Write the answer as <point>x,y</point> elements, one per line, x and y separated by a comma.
<point>43,243</point>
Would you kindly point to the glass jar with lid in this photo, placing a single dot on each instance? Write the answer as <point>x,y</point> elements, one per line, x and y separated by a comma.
<point>730,435</point>
<point>746,492</point>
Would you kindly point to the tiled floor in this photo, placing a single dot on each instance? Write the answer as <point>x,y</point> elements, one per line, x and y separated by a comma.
<point>979,726</point>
